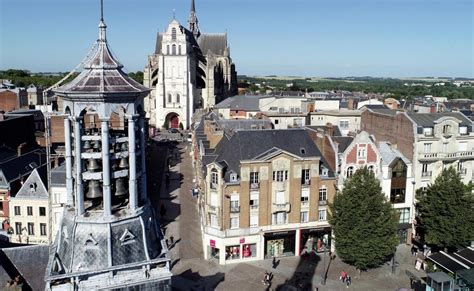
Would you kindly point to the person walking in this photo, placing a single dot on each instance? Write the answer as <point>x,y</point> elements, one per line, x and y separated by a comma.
<point>343,276</point>
<point>274,263</point>
<point>348,281</point>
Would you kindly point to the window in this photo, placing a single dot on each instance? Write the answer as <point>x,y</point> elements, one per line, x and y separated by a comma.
<point>350,171</point>
<point>173,33</point>
<point>447,129</point>
<point>232,252</point>
<point>323,194</point>
<point>179,50</point>
<point>280,197</point>
<point>463,130</point>
<point>304,216</point>
<point>254,179</point>
<point>31,228</point>
<point>404,215</point>
<point>17,210</point>
<point>167,49</point>
<point>280,176</point>
<point>18,227</point>
<point>214,179</point>
<point>428,131</point>
<point>371,168</point>
<point>427,148</point>
<point>169,98</point>
<point>304,197</point>
<point>43,228</point>
<point>173,49</point>
<point>253,220</point>
<point>344,124</point>
<point>177,98</point>
<point>42,211</point>
<point>361,153</point>
<point>397,195</point>
<point>305,178</point>
<point>249,250</point>
<point>234,222</point>
<point>213,220</point>
<point>279,218</point>
<point>254,201</point>
<point>277,121</point>
<point>322,215</point>
<point>29,210</point>
<point>233,177</point>
<point>234,203</point>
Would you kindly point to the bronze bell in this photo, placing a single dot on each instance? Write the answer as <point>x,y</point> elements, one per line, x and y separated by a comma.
<point>123,163</point>
<point>95,190</point>
<point>120,188</point>
<point>97,145</point>
<point>93,165</point>
<point>87,145</point>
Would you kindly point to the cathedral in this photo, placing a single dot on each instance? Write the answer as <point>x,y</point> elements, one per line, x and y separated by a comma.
<point>188,70</point>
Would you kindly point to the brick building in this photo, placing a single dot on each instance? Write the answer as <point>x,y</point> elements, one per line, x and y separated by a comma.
<point>12,99</point>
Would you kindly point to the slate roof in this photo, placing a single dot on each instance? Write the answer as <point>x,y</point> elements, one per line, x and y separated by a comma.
<point>335,128</point>
<point>31,262</point>
<point>389,154</point>
<point>17,167</point>
<point>240,102</point>
<point>37,114</point>
<point>102,76</point>
<point>385,110</point>
<point>249,144</point>
<point>6,153</point>
<point>33,188</point>
<point>375,106</point>
<point>58,176</point>
<point>428,119</point>
<point>214,42</point>
<point>159,41</point>
<point>343,142</point>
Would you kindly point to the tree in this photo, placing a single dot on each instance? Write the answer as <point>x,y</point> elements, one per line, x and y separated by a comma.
<point>446,211</point>
<point>364,222</point>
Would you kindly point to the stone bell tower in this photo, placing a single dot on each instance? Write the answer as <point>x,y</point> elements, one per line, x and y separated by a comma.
<point>109,238</point>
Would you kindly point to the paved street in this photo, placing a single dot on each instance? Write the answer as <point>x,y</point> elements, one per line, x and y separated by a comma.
<point>192,272</point>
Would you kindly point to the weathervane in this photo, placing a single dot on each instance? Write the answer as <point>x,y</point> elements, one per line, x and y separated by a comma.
<point>101,10</point>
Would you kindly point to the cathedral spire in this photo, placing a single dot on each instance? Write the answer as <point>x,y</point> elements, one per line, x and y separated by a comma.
<point>193,21</point>
<point>102,26</point>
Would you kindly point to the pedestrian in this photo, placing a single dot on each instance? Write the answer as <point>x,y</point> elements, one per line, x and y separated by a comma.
<point>348,281</point>
<point>274,263</point>
<point>265,278</point>
<point>343,276</point>
<point>172,239</point>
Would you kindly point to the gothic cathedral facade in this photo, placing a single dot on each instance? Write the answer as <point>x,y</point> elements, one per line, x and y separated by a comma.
<point>188,70</point>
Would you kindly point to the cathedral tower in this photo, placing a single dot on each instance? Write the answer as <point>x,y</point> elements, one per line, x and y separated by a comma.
<point>109,238</point>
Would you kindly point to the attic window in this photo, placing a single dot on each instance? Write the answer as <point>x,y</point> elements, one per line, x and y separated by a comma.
<point>127,238</point>
<point>173,33</point>
<point>90,241</point>
<point>33,165</point>
<point>32,187</point>
<point>233,177</point>
<point>303,151</point>
<point>427,130</point>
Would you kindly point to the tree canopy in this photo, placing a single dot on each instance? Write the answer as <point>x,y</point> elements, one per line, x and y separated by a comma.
<point>446,211</point>
<point>364,222</point>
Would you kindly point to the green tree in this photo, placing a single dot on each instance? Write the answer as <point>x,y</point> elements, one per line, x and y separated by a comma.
<point>446,211</point>
<point>364,222</point>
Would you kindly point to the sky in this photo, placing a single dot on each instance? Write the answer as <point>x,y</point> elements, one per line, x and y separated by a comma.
<point>332,38</point>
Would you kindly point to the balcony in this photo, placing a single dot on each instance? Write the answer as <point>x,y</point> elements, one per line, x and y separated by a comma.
<point>254,185</point>
<point>426,174</point>
<point>465,155</point>
<point>278,207</point>
<point>322,202</point>
<point>234,209</point>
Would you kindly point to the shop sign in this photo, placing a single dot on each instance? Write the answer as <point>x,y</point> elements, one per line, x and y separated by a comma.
<point>242,240</point>
<point>213,243</point>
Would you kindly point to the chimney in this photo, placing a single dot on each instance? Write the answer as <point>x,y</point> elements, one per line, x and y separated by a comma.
<point>20,148</point>
<point>350,104</point>
<point>330,129</point>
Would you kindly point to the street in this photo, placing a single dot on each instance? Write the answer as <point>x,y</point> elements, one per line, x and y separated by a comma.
<point>192,272</point>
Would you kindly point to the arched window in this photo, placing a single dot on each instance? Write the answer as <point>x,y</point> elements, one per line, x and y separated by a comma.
<point>214,179</point>
<point>173,49</point>
<point>371,168</point>
<point>168,49</point>
<point>179,50</point>
<point>350,171</point>
<point>177,98</point>
<point>169,98</point>
<point>173,33</point>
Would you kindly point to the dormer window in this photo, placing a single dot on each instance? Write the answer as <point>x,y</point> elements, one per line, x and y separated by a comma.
<point>427,131</point>
<point>233,177</point>
<point>447,129</point>
<point>324,172</point>
<point>463,130</point>
<point>127,238</point>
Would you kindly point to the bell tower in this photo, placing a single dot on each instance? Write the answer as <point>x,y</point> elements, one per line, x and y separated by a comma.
<point>109,237</point>
<point>193,21</point>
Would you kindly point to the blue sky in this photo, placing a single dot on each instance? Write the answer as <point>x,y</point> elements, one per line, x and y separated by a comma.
<point>394,38</point>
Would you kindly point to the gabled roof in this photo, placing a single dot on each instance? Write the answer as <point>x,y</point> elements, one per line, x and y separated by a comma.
<point>17,167</point>
<point>30,261</point>
<point>33,188</point>
<point>250,144</point>
<point>389,154</point>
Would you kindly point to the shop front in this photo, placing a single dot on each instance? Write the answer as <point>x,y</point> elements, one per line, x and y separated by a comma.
<point>315,239</point>
<point>279,244</point>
